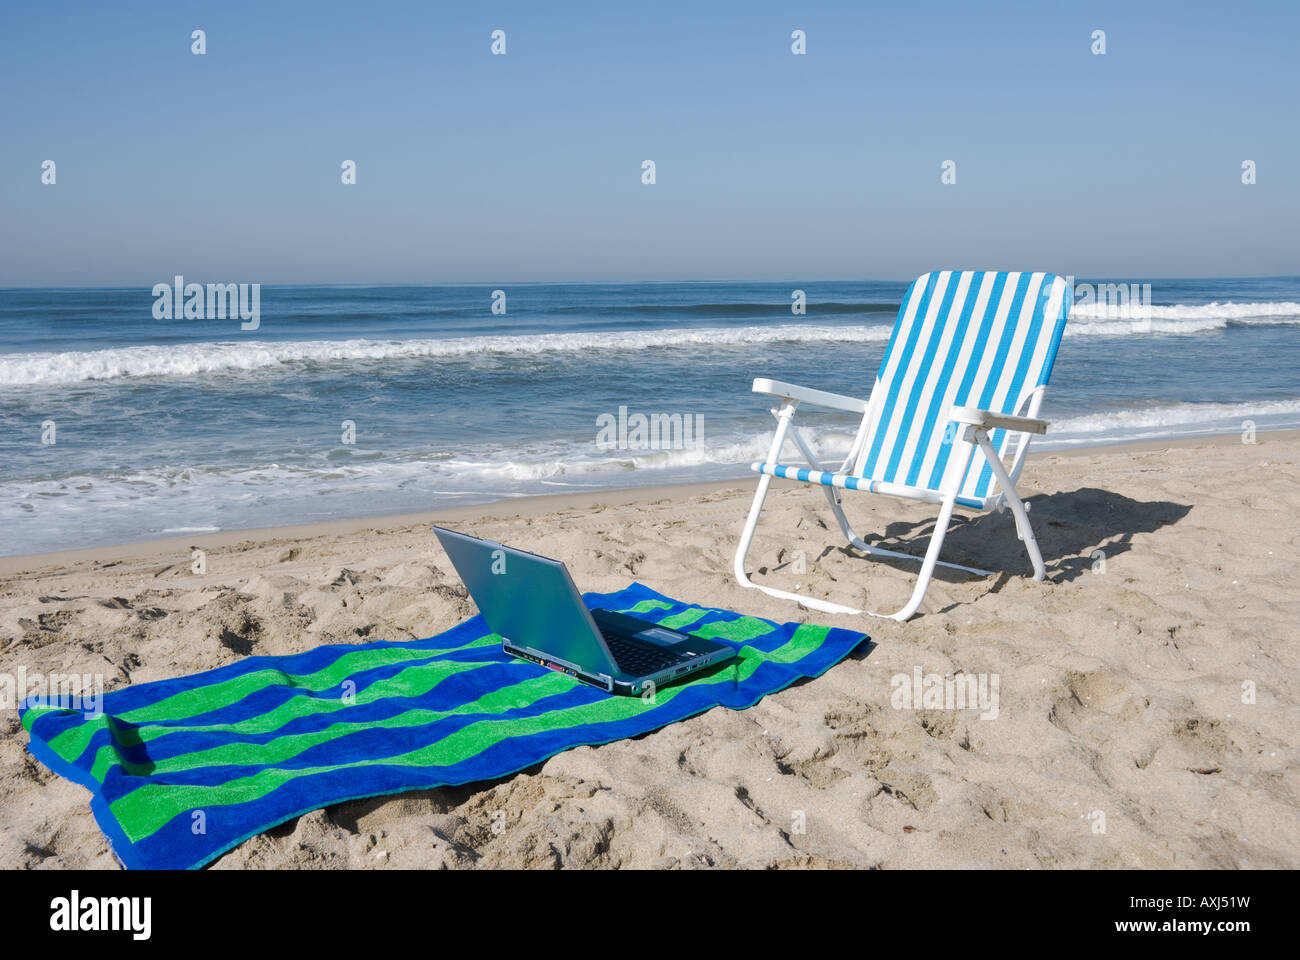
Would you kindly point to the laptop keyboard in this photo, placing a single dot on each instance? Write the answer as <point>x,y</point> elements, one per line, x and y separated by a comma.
<point>638,657</point>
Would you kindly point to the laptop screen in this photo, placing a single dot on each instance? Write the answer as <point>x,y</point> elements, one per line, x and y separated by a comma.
<point>527,599</point>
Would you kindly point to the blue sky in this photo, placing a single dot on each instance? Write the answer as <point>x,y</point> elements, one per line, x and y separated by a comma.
<point>770,166</point>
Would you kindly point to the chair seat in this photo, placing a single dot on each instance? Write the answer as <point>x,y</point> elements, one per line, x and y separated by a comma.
<point>849,482</point>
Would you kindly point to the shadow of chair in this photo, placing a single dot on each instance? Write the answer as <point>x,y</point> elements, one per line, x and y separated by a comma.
<point>1070,527</point>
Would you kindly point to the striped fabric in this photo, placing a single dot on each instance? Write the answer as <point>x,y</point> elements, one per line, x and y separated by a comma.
<point>977,339</point>
<point>826,479</point>
<point>842,480</point>
<point>182,770</point>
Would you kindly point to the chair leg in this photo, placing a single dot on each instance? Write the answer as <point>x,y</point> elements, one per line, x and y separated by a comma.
<point>783,417</point>
<point>747,535</point>
<point>928,563</point>
<point>931,559</point>
<point>742,550</point>
<point>838,509</point>
<point>1008,489</point>
<point>964,449</point>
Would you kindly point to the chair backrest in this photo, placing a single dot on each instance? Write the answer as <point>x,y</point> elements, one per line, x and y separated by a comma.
<point>975,339</point>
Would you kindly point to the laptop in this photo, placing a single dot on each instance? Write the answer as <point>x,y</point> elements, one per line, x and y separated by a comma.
<point>533,604</point>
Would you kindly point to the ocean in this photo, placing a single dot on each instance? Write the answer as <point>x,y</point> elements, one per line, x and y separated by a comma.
<point>121,421</point>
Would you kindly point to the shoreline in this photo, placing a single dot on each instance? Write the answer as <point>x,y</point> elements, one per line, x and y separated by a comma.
<point>526,506</point>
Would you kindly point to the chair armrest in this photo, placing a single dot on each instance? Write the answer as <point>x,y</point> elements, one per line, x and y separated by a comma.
<point>994,421</point>
<point>819,398</point>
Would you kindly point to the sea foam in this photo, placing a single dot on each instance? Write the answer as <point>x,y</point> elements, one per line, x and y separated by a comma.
<point>189,360</point>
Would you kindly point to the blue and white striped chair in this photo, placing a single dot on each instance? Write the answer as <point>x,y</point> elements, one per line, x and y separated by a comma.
<point>965,370</point>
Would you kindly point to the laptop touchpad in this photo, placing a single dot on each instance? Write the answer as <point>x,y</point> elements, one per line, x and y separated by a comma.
<point>661,635</point>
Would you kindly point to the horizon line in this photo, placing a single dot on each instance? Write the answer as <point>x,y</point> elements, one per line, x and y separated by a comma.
<point>592,283</point>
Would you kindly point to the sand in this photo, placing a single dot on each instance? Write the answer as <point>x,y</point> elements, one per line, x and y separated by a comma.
<point>1122,735</point>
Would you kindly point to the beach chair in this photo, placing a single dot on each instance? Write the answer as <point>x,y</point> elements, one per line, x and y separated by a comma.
<point>949,418</point>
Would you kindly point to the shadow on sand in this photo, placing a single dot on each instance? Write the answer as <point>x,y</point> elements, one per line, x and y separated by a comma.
<point>1069,527</point>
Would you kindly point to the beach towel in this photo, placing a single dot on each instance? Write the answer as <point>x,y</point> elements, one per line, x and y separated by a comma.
<point>182,770</point>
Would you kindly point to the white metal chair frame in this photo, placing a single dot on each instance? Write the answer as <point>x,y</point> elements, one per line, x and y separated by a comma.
<point>975,425</point>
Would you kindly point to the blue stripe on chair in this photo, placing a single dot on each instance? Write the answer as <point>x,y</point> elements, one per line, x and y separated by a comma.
<point>892,381</point>
<point>788,472</point>
<point>945,377</point>
<point>906,426</point>
<point>1031,341</point>
<point>981,335</point>
<point>1067,301</point>
<point>1004,344</point>
<point>1012,396</point>
<point>902,311</point>
<point>1010,326</point>
<point>825,478</point>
